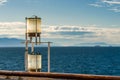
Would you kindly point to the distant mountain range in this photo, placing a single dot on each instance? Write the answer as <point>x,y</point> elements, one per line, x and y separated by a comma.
<point>11,42</point>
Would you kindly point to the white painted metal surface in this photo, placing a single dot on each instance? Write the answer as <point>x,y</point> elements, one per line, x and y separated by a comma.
<point>33,25</point>
<point>34,62</point>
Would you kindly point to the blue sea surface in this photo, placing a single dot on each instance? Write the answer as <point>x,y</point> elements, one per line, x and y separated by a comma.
<point>80,60</point>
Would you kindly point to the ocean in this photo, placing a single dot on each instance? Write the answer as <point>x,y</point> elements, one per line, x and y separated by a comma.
<point>79,60</point>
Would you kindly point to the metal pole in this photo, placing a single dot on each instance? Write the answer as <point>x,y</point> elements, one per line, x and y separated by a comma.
<point>32,49</point>
<point>36,62</point>
<point>26,49</point>
<point>39,38</point>
<point>36,30</point>
<point>48,56</point>
<point>26,61</point>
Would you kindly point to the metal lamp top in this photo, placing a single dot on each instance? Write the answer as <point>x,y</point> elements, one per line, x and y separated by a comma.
<point>33,24</point>
<point>33,17</point>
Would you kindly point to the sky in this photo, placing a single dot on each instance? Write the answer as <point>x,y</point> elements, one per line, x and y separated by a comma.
<point>64,22</point>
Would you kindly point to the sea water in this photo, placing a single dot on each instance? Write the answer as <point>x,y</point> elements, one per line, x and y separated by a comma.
<point>79,60</point>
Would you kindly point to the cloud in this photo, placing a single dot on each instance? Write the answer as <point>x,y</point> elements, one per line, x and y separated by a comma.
<point>111,2</point>
<point>2,2</point>
<point>115,9</point>
<point>113,5</point>
<point>95,5</point>
<point>83,34</point>
<point>65,35</point>
<point>12,29</point>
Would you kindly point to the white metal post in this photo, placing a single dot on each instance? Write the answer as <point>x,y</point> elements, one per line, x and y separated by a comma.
<point>48,56</point>
<point>26,61</point>
<point>26,49</point>
<point>36,63</point>
<point>32,49</point>
<point>26,54</point>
